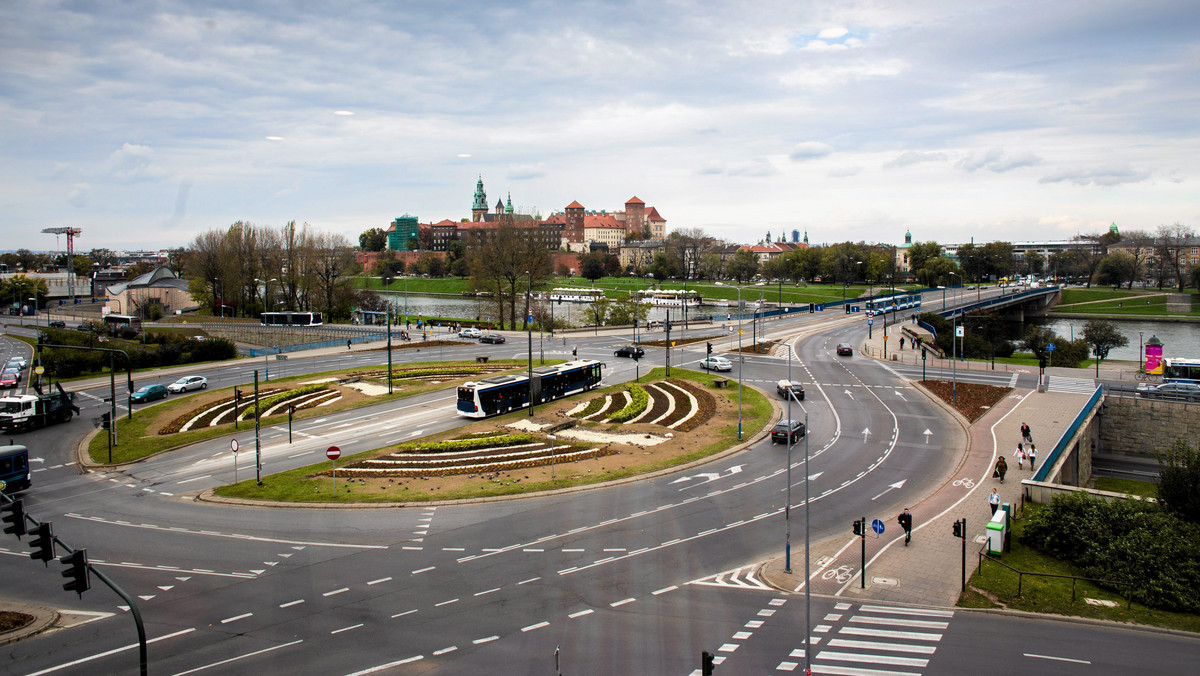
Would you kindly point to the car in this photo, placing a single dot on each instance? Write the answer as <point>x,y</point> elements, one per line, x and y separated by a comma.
<point>1172,391</point>
<point>148,393</point>
<point>634,351</point>
<point>470,332</point>
<point>16,372</point>
<point>57,324</point>
<point>845,350</point>
<point>492,338</point>
<point>786,387</point>
<point>83,327</point>
<point>187,383</point>
<point>716,364</point>
<point>786,430</point>
<point>8,380</point>
<point>19,362</point>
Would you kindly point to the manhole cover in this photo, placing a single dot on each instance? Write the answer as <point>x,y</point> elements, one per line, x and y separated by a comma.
<point>888,581</point>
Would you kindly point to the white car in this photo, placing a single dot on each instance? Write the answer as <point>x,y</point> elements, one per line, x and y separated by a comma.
<point>716,364</point>
<point>188,383</point>
<point>19,362</point>
<point>470,333</point>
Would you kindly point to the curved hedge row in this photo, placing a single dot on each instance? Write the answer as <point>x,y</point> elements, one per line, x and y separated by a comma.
<point>634,407</point>
<point>266,404</point>
<point>465,444</point>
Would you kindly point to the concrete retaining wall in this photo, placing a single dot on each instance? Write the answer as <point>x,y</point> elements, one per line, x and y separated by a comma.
<point>1137,427</point>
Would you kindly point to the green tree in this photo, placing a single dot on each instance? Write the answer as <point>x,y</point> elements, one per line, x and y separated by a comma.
<point>743,266</point>
<point>710,266</point>
<point>971,260</point>
<point>939,271</point>
<point>1179,480</point>
<point>591,265</point>
<point>1102,335</point>
<point>920,252</point>
<point>596,312</point>
<point>661,266</point>
<point>997,258</point>
<point>373,239</point>
<point>1117,269</point>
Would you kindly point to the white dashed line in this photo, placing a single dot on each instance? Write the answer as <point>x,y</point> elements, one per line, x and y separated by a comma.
<point>236,618</point>
<point>539,625</point>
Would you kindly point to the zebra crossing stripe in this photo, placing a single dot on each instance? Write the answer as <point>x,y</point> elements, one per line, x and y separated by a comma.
<point>872,645</point>
<point>888,633</point>
<point>907,611</point>
<point>900,622</point>
<point>852,671</point>
<point>873,659</point>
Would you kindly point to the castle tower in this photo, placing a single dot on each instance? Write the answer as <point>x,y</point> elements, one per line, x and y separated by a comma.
<point>479,204</point>
<point>573,230</point>
<point>635,215</point>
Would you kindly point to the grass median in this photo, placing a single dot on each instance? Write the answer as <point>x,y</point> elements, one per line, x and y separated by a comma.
<point>313,484</point>
<point>138,438</point>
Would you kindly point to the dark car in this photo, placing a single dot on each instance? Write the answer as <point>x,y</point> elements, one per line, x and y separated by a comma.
<point>787,429</point>
<point>845,350</point>
<point>58,324</point>
<point>84,327</point>
<point>1172,391</point>
<point>634,351</point>
<point>492,338</point>
<point>784,387</point>
<point>148,393</point>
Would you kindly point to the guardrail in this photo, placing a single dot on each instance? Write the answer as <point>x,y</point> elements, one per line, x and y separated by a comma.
<point>1069,434</point>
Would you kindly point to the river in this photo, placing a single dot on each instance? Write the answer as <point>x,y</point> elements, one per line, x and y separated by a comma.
<point>465,308</point>
<point>1180,339</point>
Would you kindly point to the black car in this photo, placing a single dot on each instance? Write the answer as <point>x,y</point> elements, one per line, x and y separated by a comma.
<point>58,324</point>
<point>784,387</point>
<point>845,350</point>
<point>492,338</point>
<point>1172,391</point>
<point>84,327</point>
<point>634,351</point>
<point>785,429</point>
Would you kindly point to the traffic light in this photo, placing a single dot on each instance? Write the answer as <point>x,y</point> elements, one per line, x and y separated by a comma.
<point>14,517</point>
<point>105,420</point>
<point>710,348</point>
<point>291,411</point>
<point>706,663</point>
<point>958,529</point>
<point>43,544</point>
<point>858,527</point>
<point>812,307</point>
<point>847,309</point>
<point>76,572</point>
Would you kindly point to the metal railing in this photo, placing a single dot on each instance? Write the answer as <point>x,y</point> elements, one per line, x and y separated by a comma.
<point>1021,574</point>
<point>1067,435</point>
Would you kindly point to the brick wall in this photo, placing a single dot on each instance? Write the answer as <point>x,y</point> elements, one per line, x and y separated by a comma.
<point>1137,427</point>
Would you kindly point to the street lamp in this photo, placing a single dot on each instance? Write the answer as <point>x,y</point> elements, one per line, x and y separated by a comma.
<point>741,362</point>
<point>266,351</point>
<point>529,329</point>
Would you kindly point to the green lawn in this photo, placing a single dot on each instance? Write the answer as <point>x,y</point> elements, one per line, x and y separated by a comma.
<point>1147,489</point>
<point>297,485</point>
<point>1054,595</point>
<point>1082,295</point>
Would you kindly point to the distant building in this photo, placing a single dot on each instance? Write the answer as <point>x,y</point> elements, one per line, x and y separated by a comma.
<point>402,231</point>
<point>795,237</point>
<point>159,287</point>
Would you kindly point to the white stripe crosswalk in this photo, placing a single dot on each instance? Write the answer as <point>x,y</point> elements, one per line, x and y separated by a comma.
<point>874,640</point>
<point>1071,385</point>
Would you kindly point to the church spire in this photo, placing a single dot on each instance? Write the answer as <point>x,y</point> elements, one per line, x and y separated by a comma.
<point>480,196</point>
<point>508,207</point>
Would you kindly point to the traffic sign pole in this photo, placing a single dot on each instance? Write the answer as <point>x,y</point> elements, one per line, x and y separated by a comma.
<point>233,445</point>
<point>333,453</point>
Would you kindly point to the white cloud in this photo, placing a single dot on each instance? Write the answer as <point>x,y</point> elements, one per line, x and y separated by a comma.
<point>757,167</point>
<point>809,150</point>
<point>1099,176</point>
<point>998,161</point>
<point>832,33</point>
<point>845,172</point>
<point>78,197</point>
<point>132,163</point>
<point>914,157</point>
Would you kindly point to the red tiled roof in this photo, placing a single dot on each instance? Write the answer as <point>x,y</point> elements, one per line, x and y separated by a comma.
<point>601,221</point>
<point>556,218</point>
<point>575,205</point>
<point>445,221</point>
<point>652,215</point>
<point>634,200</point>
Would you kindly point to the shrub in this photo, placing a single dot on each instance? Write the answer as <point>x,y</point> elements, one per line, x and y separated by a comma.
<point>465,444</point>
<point>1132,542</point>
<point>634,408</point>
<point>1179,482</point>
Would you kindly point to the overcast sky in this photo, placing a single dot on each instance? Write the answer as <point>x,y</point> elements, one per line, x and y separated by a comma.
<point>145,123</point>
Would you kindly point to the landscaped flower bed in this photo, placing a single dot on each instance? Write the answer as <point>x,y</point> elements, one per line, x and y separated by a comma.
<point>683,403</point>
<point>973,400</point>
<point>593,407</point>
<point>476,468</point>
<point>706,405</point>
<point>636,405</point>
<point>465,444</point>
<point>202,415</point>
<point>266,404</point>
<point>659,402</point>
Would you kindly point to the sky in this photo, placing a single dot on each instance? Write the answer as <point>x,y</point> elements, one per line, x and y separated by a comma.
<point>146,123</point>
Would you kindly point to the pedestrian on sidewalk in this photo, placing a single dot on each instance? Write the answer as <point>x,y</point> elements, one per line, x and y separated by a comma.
<point>905,521</point>
<point>901,342</point>
<point>1032,458</point>
<point>347,344</point>
<point>1019,454</point>
<point>1001,469</point>
<point>1026,434</point>
<point>994,500</point>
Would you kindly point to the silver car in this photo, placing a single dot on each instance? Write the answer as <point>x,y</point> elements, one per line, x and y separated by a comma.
<point>187,383</point>
<point>716,364</point>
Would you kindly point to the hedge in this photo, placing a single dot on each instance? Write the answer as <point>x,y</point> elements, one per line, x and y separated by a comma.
<point>634,408</point>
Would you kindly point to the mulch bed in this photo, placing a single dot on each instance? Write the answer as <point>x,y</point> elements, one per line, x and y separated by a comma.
<point>11,621</point>
<point>658,401</point>
<point>683,405</point>
<point>616,402</point>
<point>708,406</point>
<point>973,400</point>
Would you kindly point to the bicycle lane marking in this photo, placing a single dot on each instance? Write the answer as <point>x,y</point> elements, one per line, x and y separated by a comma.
<point>987,469</point>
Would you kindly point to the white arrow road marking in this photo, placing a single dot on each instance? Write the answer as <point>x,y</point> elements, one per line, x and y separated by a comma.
<point>898,484</point>
<point>927,434</point>
<point>801,482</point>
<point>866,433</point>
<point>900,394</point>
<point>847,392</point>
<point>708,476</point>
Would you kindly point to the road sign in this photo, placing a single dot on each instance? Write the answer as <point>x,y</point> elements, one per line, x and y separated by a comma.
<point>870,322</point>
<point>1049,348</point>
<point>39,370</point>
<point>233,445</point>
<point>877,526</point>
<point>959,331</point>
<point>333,453</point>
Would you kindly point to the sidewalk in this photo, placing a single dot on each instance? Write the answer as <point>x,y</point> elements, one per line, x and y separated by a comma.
<point>928,571</point>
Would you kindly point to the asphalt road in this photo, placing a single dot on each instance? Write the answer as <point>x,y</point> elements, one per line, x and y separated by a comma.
<point>632,578</point>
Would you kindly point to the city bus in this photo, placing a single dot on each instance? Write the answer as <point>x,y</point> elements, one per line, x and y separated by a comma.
<point>504,393</point>
<point>291,319</point>
<point>14,468</point>
<point>1176,370</point>
<point>115,323</point>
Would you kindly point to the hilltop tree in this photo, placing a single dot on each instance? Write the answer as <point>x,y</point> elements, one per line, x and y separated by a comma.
<point>743,266</point>
<point>1102,335</point>
<point>373,239</point>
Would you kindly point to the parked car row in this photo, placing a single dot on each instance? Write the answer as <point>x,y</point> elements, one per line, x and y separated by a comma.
<point>1171,391</point>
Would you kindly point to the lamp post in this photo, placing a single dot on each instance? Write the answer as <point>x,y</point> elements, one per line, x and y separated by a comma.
<point>741,362</point>
<point>787,506</point>
<point>529,329</point>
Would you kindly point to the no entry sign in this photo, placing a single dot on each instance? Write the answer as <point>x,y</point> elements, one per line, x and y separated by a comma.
<point>333,453</point>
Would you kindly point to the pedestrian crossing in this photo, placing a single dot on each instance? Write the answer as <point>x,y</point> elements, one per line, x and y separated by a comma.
<point>1072,385</point>
<point>872,640</point>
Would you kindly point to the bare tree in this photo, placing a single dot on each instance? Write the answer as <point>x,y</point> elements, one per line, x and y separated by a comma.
<point>1172,254</point>
<point>332,262</point>
<point>1140,245</point>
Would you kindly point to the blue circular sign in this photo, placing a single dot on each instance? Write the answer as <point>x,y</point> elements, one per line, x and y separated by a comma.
<point>877,526</point>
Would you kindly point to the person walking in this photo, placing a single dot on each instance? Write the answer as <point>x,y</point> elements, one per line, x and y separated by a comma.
<point>1019,454</point>
<point>994,500</point>
<point>1032,458</point>
<point>1026,434</point>
<point>901,342</point>
<point>347,344</point>
<point>1001,469</point>
<point>905,521</point>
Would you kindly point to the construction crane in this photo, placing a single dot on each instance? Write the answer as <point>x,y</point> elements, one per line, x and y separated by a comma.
<point>71,233</point>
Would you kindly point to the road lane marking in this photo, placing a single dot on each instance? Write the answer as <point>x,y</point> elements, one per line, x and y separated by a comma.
<point>872,645</point>
<point>900,622</point>
<point>581,613</point>
<point>407,612</point>
<point>489,591</point>
<point>664,590</point>
<point>622,602</point>
<point>486,639</point>
<point>886,633</point>
<point>232,536</point>
<point>445,603</point>
<point>236,618</point>
<point>206,476</point>
<point>289,604</point>
<point>389,665</point>
<point>338,631</point>
<point>423,570</point>
<point>380,580</point>
<point>240,657</point>
<point>114,651</point>
<point>1056,659</point>
<point>872,659</point>
<point>539,625</point>
<point>443,651</point>
<point>335,592</point>
<point>532,579</point>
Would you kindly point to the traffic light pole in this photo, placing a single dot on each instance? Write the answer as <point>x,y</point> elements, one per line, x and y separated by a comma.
<point>862,579</point>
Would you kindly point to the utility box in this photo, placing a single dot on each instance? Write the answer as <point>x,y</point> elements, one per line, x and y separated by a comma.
<point>995,533</point>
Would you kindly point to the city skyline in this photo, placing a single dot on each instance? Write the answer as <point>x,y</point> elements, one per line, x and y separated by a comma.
<point>147,123</point>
